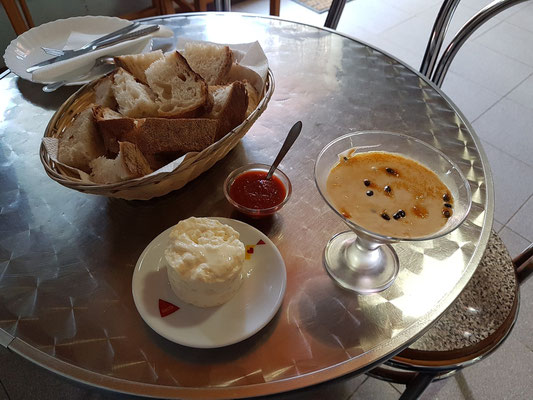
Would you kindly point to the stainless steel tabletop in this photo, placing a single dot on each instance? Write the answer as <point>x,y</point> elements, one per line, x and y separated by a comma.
<point>67,258</point>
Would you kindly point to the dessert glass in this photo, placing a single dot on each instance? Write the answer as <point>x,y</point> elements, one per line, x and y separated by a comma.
<point>364,261</point>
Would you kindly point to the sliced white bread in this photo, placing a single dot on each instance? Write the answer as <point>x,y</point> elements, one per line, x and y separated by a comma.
<point>80,142</point>
<point>129,164</point>
<point>230,105</point>
<point>181,92</point>
<point>156,135</point>
<point>137,64</point>
<point>213,62</point>
<point>103,93</point>
<point>134,98</point>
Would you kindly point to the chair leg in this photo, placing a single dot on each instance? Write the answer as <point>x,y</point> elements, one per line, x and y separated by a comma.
<point>274,7</point>
<point>200,5</point>
<point>416,386</point>
<point>334,14</point>
<point>524,264</point>
<point>26,12</point>
<point>166,7</point>
<point>18,21</point>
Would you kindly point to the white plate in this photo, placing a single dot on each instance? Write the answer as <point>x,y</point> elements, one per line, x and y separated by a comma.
<point>252,307</point>
<point>25,50</point>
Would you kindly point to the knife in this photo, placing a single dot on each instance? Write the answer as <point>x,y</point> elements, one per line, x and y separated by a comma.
<point>99,45</point>
<point>121,31</point>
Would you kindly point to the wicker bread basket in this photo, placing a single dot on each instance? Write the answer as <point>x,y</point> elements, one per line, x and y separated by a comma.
<point>143,188</point>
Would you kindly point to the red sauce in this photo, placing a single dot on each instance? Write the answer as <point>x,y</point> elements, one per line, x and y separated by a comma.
<point>251,189</point>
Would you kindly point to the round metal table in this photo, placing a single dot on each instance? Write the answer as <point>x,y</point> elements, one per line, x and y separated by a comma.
<point>66,258</point>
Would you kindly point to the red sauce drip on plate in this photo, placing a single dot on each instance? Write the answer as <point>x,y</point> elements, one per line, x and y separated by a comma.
<point>251,189</point>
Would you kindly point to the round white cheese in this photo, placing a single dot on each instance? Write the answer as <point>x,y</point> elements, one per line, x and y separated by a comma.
<point>205,259</point>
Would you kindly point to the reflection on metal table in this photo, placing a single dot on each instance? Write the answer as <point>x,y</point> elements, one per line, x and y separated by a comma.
<point>67,258</point>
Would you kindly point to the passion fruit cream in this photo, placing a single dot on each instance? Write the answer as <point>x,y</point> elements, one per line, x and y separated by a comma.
<point>389,194</point>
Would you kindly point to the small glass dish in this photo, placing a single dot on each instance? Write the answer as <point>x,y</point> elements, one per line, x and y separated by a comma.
<point>257,211</point>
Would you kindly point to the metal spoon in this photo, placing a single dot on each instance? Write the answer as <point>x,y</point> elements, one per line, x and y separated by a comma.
<point>291,137</point>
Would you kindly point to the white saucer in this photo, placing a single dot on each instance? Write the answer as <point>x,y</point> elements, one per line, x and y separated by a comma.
<point>252,307</point>
<point>25,50</point>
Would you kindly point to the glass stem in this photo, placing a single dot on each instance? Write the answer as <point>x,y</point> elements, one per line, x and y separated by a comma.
<point>365,245</point>
<point>363,254</point>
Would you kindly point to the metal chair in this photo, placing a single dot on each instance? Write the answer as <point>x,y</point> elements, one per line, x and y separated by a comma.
<point>484,314</point>
<point>436,71</point>
<point>477,323</point>
<point>431,68</point>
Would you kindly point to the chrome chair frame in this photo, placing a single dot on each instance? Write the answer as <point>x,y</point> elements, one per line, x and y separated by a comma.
<point>433,70</point>
<point>438,32</point>
<point>223,5</point>
<point>459,39</point>
<point>398,369</point>
<point>334,14</point>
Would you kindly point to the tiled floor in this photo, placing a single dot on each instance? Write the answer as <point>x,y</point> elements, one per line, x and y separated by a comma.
<point>491,81</point>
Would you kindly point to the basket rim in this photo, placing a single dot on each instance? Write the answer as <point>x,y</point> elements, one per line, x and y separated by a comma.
<point>78,184</point>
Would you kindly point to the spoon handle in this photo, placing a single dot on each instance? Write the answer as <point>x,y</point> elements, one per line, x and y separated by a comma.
<point>291,137</point>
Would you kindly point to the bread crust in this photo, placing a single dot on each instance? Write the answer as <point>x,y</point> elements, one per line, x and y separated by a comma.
<point>227,66</point>
<point>232,111</point>
<point>79,143</point>
<point>134,160</point>
<point>155,135</point>
<point>112,127</point>
<point>161,135</point>
<point>253,97</point>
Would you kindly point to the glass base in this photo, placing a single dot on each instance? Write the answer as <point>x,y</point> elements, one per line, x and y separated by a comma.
<point>355,266</point>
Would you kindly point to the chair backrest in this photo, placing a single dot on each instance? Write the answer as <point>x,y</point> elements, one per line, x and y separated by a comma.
<point>433,68</point>
<point>436,71</point>
<point>19,15</point>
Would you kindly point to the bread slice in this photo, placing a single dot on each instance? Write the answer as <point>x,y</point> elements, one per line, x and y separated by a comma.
<point>80,142</point>
<point>253,97</point>
<point>129,164</point>
<point>161,135</point>
<point>213,62</point>
<point>181,92</point>
<point>230,105</point>
<point>137,64</point>
<point>134,98</point>
<point>112,127</point>
<point>103,93</point>
<point>156,135</point>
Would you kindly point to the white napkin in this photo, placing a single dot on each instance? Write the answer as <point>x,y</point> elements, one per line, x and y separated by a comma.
<point>80,65</point>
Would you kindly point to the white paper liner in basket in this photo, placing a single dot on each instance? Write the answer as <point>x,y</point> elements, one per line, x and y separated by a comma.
<point>174,175</point>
